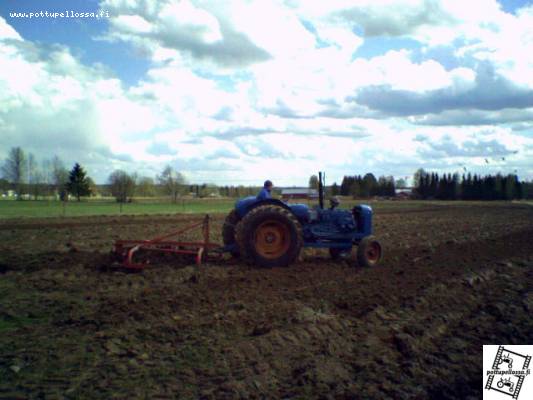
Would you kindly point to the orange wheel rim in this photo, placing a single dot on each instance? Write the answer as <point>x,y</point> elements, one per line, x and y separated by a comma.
<point>373,252</point>
<point>272,239</point>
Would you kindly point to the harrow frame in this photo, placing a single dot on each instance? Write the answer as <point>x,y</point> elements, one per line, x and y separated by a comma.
<point>125,249</point>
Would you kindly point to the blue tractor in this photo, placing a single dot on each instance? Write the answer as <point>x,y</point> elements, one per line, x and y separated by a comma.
<point>271,233</point>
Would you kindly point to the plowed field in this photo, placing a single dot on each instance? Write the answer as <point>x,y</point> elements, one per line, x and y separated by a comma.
<point>72,325</point>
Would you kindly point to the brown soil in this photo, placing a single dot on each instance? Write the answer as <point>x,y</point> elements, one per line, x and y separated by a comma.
<point>73,325</point>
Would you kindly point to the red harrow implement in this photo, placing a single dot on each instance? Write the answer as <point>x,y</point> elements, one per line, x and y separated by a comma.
<point>126,249</point>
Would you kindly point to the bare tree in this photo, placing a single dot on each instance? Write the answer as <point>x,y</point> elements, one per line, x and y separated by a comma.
<point>59,176</point>
<point>14,169</point>
<point>209,190</point>
<point>418,175</point>
<point>122,185</point>
<point>35,178</point>
<point>172,182</point>
<point>92,186</point>
<point>313,182</point>
<point>401,183</point>
<point>146,187</point>
<point>46,168</point>
<point>4,185</point>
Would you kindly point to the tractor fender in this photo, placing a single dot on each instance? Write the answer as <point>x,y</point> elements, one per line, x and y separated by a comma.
<point>363,218</point>
<point>248,206</point>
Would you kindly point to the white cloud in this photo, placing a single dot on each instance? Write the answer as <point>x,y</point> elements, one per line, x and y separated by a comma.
<point>7,31</point>
<point>188,17</point>
<point>397,70</point>
<point>240,92</point>
<point>463,78</point>
<point>51,104</point>
<point>507,45</point>
<point>272,27</point>
<point>18,79</point>
<point>342,37</point>
<point>198,33</point>
<point>132,24</point>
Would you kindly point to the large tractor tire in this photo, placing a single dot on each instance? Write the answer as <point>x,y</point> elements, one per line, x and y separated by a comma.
<point>269,236</point>
<point>369,252</point>
<point>228,231</point>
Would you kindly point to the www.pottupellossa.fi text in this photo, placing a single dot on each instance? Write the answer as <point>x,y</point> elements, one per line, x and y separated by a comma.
<point>63,14</point>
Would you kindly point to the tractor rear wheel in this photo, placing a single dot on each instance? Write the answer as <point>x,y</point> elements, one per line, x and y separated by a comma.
<point>369,252</point>
<point>228,231</point>
<point>269,236</point>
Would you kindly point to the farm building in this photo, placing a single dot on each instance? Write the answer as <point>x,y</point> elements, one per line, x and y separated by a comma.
<point>404,193</point>
<point>299,193</point>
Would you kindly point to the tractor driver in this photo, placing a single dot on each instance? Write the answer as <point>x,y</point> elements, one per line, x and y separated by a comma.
<point>265,193</point>
<point>334,202</point>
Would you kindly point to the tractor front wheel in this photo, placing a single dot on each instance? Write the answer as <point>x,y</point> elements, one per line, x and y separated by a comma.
<point>369,252</point>
<point>269,236</point>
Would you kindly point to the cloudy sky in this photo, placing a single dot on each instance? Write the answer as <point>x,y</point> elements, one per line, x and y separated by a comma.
<point>235,92</point>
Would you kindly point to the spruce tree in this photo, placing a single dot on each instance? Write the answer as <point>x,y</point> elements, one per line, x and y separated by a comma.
<point>78,184</point>
<point>470,185</point>
<point>345,186</point>
<point>334,189</point>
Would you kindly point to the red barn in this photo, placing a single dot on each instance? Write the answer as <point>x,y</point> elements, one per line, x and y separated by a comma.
<point>299,193</point>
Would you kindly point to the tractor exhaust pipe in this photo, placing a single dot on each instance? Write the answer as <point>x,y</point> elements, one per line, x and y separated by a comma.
<point>321,181</point>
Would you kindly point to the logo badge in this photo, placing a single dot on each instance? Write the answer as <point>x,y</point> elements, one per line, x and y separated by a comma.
<point>507,372</point>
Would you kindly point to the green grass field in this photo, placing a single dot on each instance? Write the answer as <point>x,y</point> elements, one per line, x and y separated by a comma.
<point>44,208</point>
<point>40,209</point>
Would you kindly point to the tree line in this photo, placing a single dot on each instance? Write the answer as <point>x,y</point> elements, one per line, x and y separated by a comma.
<point>431,185</point>
<point>26,178</point>
<point>24,175</point>
<point>365,186</point>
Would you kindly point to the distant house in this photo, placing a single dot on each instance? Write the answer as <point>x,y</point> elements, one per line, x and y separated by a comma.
<point>299,193</point>
<point>404,193</point>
